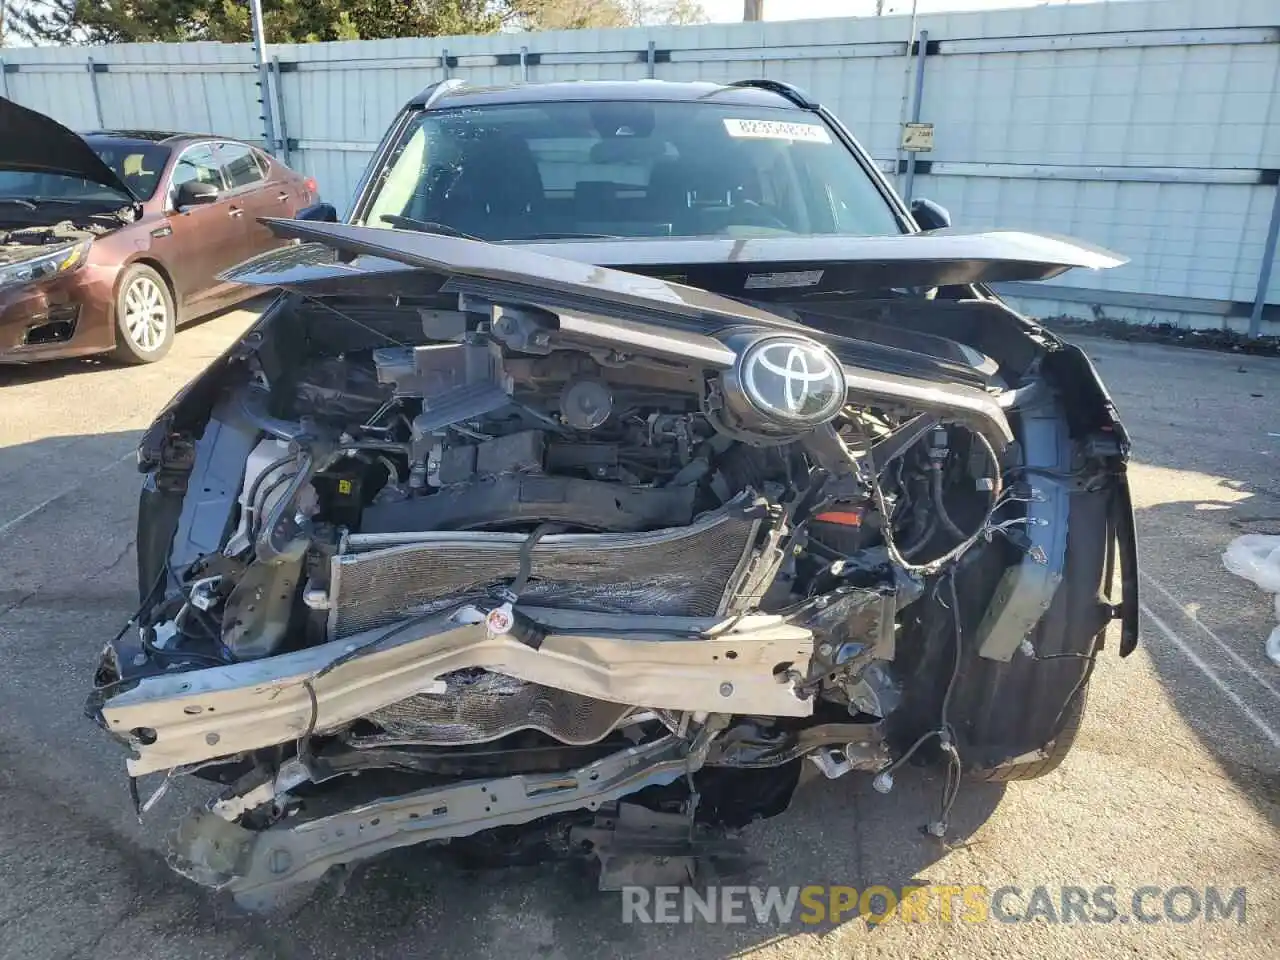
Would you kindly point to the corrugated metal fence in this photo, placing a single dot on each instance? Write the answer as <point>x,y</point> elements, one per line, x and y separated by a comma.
<point>1151,127</point>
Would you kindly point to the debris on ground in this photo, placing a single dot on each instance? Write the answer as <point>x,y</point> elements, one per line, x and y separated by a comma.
<point>1256,557</point>
<point>1170,334</point>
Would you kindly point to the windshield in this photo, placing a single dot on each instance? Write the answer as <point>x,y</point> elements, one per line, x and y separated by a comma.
<point>627,169</point>
<point>139,165</point>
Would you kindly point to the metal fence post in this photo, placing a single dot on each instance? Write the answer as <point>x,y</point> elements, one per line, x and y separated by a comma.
<point>281,127</point>
<point>264,76</point>
<point>652,58</point>
<point>444,62</point>
<point>97,97</point>
<point>922,42</point>
<point>4,81</point>
<point>524,64</point>
<point>1268,262</point>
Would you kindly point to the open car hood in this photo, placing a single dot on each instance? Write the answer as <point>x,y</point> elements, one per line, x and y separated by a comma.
<point>33,143</point>
<point>665,275</point>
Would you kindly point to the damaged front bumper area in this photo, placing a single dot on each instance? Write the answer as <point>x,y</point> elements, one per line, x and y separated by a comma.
<point>256,867</point>
<point>545,535</point>
<point>748,665</point>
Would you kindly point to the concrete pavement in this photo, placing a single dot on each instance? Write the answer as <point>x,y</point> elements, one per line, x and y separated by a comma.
<point>1175,778</point>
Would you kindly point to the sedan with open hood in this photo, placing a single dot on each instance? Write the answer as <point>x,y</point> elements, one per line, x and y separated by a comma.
<point>108,242</point>
<point>628,450</point>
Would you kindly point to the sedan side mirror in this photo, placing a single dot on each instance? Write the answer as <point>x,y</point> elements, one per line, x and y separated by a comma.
<point>929,215</point>
<point>193,193</point>
<point>319,212</point>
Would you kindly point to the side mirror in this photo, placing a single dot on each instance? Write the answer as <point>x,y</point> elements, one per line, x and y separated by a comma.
<point>319,212</point>
<point>929,215</point>
<point>193,193</point>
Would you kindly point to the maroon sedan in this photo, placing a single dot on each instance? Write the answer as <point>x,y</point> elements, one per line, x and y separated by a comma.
<point>109,241</point>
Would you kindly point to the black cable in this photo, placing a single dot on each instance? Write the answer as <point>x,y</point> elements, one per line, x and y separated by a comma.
<point>164,571</point>
<point>271,468</point>
<point>526,555</point>
<point>944,731</point>
<point>352,654</point>
<point>933,566</point>
<point>955,669</point>
<point>332,309</point>
<point>923,538</point>
<point>935,494</point>
<point>155,651</point>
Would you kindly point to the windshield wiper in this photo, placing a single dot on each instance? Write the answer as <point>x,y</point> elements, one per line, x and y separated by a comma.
<point>570,236</point>
<point>424,226</point>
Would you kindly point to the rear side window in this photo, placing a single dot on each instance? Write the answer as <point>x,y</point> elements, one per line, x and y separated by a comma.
<point>240,168</point>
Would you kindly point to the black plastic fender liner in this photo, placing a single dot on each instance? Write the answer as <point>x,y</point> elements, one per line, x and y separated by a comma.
<point>1126,537</point>
<point>534,498</point>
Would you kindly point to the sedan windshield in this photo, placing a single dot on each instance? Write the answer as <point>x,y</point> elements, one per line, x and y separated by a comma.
<point>626,169</point>
<point>139,165</point>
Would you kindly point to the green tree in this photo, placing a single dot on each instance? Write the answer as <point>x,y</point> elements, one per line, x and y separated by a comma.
<point>297,21</point>
<point>567,14</point>
<point>286,21</point>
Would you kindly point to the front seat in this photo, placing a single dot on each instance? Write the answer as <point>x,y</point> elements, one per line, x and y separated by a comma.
<point>136,177</point>
<point>498,192</point>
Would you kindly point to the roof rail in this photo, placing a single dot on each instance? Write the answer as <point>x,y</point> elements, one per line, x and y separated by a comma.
<point>792,93</point>
<point>427,98</point>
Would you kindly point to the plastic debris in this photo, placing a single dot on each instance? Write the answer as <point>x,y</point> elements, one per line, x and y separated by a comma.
<point>1256,557</point>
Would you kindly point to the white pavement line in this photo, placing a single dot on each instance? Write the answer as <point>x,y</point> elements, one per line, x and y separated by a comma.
<point>10,524</point>
<point>1217,681</point>
<point>1182,608</point>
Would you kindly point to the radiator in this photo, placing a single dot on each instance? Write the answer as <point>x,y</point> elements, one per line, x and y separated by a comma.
<point>377,579</point>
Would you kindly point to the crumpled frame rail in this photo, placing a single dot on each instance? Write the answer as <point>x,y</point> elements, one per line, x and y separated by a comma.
<point>221,711</point>
<point>257,867</point>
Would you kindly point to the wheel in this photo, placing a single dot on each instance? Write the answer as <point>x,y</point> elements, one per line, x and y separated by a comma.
<point>145,320</point>
<point>1054,752</point>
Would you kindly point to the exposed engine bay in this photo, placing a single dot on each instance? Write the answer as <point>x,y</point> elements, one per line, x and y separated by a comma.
<point>514,560</point>
<point>22,243</point>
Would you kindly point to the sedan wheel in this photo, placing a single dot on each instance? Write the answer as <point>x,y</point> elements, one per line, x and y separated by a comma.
<point>144,316</point>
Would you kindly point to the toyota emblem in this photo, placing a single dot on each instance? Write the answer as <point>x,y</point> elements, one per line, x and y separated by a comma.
<point>793,380</point>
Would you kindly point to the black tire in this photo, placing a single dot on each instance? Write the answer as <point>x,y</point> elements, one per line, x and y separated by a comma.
<point>1054,752</point>
<point>146,319</point>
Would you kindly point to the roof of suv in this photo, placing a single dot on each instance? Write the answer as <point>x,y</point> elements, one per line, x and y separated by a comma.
<point>458,94</point>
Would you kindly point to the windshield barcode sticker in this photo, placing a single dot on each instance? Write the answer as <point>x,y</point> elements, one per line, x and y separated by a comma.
<point>777,130</point>
<point>773,281</point>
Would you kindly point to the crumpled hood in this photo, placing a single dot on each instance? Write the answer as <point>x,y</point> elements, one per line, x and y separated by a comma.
<point>752,269</point>
<point>34,143</point>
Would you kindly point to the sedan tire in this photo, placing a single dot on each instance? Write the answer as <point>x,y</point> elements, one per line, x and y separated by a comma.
<point>145,316</point>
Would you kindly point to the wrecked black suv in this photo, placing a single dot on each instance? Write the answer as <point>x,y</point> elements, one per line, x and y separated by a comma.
<point>629,448</point>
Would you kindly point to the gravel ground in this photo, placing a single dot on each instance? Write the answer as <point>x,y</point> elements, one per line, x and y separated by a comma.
<point>1172,782</point>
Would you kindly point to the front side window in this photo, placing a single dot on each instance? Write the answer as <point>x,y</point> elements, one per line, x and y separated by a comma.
<point>627,169</point>
<point>197,163</point>
<point>239,166</point>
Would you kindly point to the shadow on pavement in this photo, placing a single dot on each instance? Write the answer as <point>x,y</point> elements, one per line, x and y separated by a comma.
<point>62,784</point>
<point>18,373</point>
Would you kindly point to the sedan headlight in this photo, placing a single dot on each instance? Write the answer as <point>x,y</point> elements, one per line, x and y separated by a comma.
<point>45,264</point>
